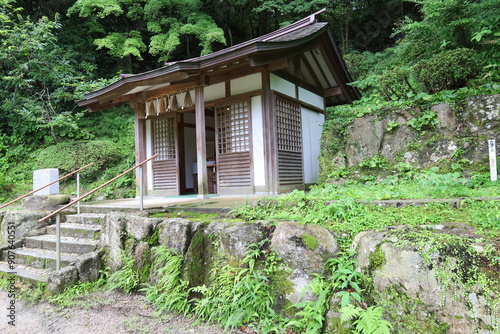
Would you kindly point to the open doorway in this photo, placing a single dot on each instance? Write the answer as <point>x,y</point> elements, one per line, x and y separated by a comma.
<point>188,158</point>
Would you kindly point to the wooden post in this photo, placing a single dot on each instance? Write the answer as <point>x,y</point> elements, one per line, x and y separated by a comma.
<point>201,146</point>
<point>269,123</point>
<point>493,160</point>
<point>140,145</point>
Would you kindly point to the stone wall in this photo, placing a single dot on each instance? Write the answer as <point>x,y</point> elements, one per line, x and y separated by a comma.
<point>460,134</point>
<point>415,286</point>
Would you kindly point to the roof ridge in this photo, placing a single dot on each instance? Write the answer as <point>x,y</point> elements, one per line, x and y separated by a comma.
<point>292,27</point>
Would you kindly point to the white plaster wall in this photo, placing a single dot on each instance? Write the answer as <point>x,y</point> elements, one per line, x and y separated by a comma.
<point>312,126</point>
<point>281,85</point>
<point>149,152</point>
<point>246,84</point>
<point>214,92</point>
<point>311,98</point>
<point>258,142</point>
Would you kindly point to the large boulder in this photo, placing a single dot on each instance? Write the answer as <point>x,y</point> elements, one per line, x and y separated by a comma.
<point>216,243</point>
<point>45,202</point>
<point>112,237</point>
<point>175,233</point>
<point>304,249</point>
<point>62,278</point>
<point>25,224</point>
<point>364,138</point>
<point>88,266</point>
<point>418,283</point>
<point>485,111</point>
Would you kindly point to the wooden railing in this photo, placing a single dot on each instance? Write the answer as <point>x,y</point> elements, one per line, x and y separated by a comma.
<point>45,186</point>
<point>101,186</point>
<point>56,212</point>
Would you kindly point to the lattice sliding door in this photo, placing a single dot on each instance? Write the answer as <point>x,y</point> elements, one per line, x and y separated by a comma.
<point>289,143</point>
<point>233,148</point>
<point>165,166</point>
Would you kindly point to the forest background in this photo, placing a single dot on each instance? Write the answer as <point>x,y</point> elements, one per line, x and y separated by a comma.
<point>400,54</point>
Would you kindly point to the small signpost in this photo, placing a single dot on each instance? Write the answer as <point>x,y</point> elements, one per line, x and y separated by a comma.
<point>493,160</point>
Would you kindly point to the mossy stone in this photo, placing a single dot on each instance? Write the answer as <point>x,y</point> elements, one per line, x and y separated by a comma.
<point>310,241</point>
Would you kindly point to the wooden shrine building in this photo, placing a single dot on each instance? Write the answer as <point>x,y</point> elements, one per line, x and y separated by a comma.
<point>243,120</point>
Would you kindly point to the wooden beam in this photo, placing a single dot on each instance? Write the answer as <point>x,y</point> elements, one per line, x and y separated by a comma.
<point>128,86</point>
<point>311,71</point>
<point>201,145</point>
<point>332,91</point>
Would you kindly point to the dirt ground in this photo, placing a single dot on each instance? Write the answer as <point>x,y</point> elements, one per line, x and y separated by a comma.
<point>100,312</point>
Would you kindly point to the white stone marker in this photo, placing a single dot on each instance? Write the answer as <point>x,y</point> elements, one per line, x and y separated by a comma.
<point>42,177</point>
<point>493,160</point>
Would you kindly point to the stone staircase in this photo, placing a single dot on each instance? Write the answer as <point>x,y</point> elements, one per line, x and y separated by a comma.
<point>36,260</point>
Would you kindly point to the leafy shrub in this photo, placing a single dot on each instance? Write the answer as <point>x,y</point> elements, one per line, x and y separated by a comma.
<point>69,156</point>
<point>450,69</point>
<point>376,162</point>
<point>425,121</point>
<point>395,83</point>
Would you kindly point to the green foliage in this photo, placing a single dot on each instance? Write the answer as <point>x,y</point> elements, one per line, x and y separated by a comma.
<point>122,45</point>
<point>376,162</point>
<point>392,125</point>
<point>426,121</point>
<point>126,278</point>
<point>70,295</point>
<point>240,295</point>
<point>169,292</point>
<point>366,321</point>
<point>449,69</point>
<point>38,78</point>
<point>69,156</point>
<point>162,23</point>
<point>310,316</point>
<point>345,279</point>
<point>310,241</point>
<point>444,185</point>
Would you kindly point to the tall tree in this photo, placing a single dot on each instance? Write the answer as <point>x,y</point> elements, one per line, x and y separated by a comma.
<point>38,78</point>
<point>128,28</point>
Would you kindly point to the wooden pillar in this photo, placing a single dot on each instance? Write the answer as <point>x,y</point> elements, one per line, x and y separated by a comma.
<point>140,143</point>
<point>201,145</point>
<point>269,123</point>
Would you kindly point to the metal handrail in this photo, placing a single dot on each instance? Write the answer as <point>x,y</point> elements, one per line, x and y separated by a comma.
<point>34,191</point>
<point>94,190</point>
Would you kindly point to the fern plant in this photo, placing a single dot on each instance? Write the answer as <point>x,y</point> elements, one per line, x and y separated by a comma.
<point>311,314</point>
<point>126,278</point>
<point>365,321</point>
<point>237,296</point>
<point>171,292</point>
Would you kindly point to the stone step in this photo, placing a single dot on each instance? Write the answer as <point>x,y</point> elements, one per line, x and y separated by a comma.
<point>86,218</point>
<point>39,258</point>
<point>68,244</point>
<point>32,275</point>
<point>75,230</point>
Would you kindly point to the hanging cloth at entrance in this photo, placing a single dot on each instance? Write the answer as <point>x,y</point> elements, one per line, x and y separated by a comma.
<point>188,102</point>
<point>173,106</point>
<point>149,108</point>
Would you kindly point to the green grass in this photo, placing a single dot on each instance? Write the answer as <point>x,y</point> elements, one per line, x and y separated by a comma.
<point>339,207</point>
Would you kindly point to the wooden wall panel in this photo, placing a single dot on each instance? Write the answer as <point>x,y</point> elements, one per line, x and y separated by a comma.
<point>165,175</point>
<point>290,168</point>
<point>234,170</point>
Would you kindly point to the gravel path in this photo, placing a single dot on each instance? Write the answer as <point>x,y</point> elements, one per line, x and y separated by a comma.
<point>100,312</point>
